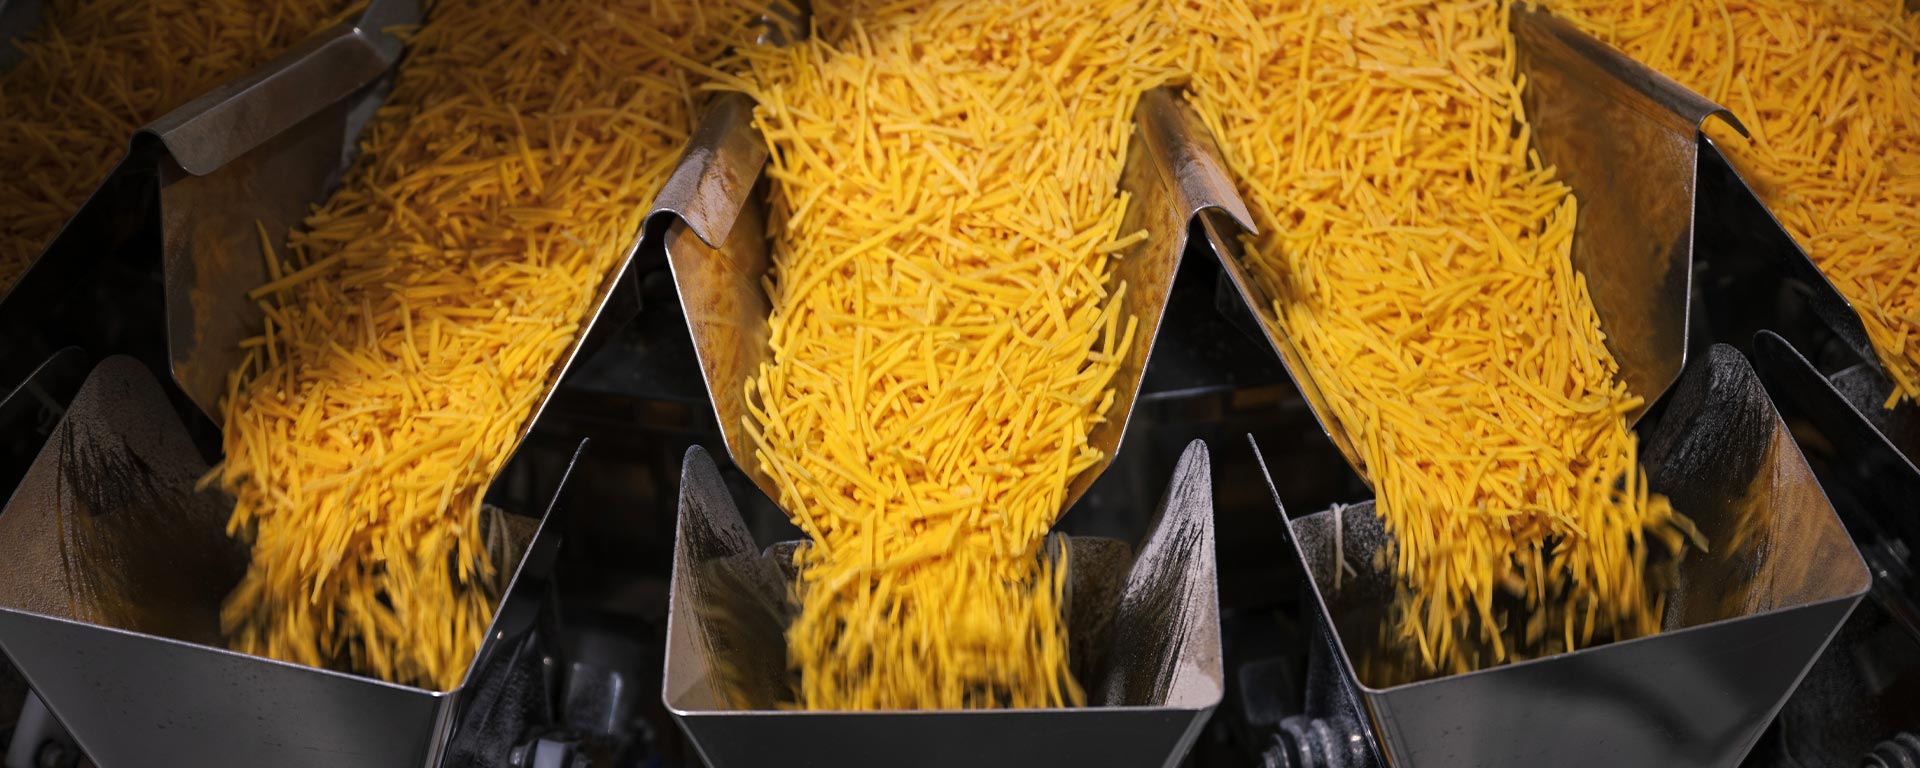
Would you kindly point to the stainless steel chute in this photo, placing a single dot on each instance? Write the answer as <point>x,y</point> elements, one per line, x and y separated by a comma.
<point>1145,625</point>
<point>1627,140</point>
<point>1745,620</point>
<point>198,183</point>
<point>112,572</point>
<point>713,225</point>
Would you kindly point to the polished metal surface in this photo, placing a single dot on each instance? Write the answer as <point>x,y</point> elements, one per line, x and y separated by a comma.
<point>253,156</point>
<point>111,231</point>
<point>1757,273</point>
<point>112,571</point>
<point>710,199</point>
<point>1624,138</point>
<point>1848,407</point>
<point>1750,255</point>
<point>1876,477</point>
<point>1745,619</point>
<point>1865,388</point>
<point>711,185</point>
<point>1175,175</point>
<point>1173,172</point>
<point>1144,628</point>
<point>229,121</point>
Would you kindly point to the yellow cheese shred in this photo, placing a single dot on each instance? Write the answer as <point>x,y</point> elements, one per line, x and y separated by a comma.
<point>91,72</point>
<point>1830,90</point>
<point>945,332</point>
<point>1416,252</point>
<point>423,310</point>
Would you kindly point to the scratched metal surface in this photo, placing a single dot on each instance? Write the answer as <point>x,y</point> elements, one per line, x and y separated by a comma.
<point>201,143</point>
<point>113,568</point>
<point>256,153</point>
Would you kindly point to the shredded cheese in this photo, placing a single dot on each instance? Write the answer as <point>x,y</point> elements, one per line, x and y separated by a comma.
<point>1416,252</point>
<point>944,330</point>
<point>424,308</point>
<point>93,71</point>
<point>1831,93</point>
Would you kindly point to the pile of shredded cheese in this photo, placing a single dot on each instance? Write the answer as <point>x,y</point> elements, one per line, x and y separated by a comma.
<point>93,71</point>
<point>424,308</point>
<point>1417,254</point>
<point>944,330</point>
<point>1830,90</point>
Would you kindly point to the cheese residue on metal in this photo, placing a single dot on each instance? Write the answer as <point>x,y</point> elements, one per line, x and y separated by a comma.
<point>1416,253</point>
<point>944,330</point>
<point>423,310</point>
<point>1830,91</point>
<point>91,72</point>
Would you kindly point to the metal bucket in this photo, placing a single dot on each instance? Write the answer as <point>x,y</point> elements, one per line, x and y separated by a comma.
<point>112,572</point>
<point>1745,620</point>
<point>205,179</point>
<point>711,218</point>
<point>1751,614</point>
<point>1145,627</point>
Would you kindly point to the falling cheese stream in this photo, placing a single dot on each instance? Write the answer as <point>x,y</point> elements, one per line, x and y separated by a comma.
<point>945,332</point>
<point>91,72</point>
<point>1830,92</point>
<point>1416,252</point>
<point>423,309</point>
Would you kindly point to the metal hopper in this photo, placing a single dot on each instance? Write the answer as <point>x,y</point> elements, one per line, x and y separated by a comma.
<point>250,160</point>
<point>713,226</point>
<point>112,572</point>
<point>1161,676</point>
<point>186,247</point>
<point>1745,621</point>
<point>1145,629</point>
<point>1874,446</point>
<point>192,185</point>
<point>1802,326</point>
<point>1749,616</point>
<point>1627,140</point>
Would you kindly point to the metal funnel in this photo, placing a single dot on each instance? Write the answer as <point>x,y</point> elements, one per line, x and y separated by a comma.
<point>112,571</point>
<point>713,224</point>
<point>1873,477</point>
<point>1626,139</point>
<point>257,155</point>
<point>1801,325</point>
<point>1744,621</point>
<point>251,157</point>
<point>1145,628</point>
<point>193,184</point>
<point>1847,407</point>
